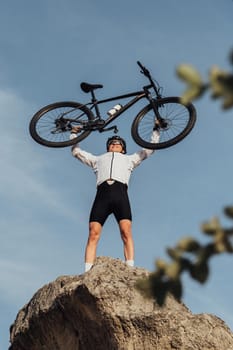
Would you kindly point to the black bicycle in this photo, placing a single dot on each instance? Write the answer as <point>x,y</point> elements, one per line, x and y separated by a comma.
<point>51,126</point>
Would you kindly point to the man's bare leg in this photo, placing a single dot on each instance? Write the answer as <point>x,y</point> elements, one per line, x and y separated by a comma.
<point>95,229</point>
<point>125,226</point>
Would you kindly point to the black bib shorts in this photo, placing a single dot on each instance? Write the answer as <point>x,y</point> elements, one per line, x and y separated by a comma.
<point>111,199</point>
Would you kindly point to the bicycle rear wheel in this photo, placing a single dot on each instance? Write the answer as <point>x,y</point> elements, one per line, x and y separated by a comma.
<point>179,119</point>
<point>51,125</point>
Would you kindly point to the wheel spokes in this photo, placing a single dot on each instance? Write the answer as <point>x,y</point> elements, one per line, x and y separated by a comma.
<point>175,118</point>
<point>55,125</point>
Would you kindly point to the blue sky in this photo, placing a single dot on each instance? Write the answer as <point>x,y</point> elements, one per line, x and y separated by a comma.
<point>46,49</point>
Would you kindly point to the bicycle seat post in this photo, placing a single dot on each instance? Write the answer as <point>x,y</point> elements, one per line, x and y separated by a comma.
<point>95,103</point>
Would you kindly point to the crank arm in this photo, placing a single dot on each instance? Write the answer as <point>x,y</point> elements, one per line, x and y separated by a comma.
<point>110,128</point>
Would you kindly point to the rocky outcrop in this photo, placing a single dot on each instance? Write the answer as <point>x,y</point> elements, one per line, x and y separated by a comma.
<point>102,310</point>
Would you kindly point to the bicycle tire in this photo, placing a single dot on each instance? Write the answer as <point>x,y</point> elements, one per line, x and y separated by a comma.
<point>180,120</point>
<point>43,123</point>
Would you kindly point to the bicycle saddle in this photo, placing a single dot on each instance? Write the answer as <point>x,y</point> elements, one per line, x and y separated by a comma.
<point>86,87</point>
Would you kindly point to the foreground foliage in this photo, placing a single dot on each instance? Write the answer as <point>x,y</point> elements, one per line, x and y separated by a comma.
<point>190,255</point>
<point>220,83</point>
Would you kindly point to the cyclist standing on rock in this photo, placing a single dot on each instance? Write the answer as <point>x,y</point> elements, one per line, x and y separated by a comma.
<point>112,170</point>
<point>51,126</point>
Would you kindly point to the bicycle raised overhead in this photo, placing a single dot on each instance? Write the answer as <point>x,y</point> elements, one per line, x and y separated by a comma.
<point>52,124</point>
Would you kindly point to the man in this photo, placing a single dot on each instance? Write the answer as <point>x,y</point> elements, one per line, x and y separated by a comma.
<point>113,170</point>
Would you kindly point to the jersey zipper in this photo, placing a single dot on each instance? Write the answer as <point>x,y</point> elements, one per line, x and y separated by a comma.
<point>111,166</point>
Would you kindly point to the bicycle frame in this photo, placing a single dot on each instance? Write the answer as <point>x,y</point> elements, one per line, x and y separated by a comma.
<point>138,95</point>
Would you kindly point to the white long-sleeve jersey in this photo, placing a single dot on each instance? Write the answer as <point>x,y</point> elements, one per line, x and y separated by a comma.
<point>113,165</point>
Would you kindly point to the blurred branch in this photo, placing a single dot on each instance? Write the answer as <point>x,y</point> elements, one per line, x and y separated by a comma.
<point>220,84</point>
<point>188,255</point>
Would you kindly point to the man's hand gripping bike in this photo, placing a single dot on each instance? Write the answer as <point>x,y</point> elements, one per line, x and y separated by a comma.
<point>51,126</point>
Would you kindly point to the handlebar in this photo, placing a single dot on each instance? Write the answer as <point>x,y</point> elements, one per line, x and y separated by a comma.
<point>144,70</point>
<point>153,82</point>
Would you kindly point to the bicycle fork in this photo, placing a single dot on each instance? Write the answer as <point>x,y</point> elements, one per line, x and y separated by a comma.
<point>159,121</point>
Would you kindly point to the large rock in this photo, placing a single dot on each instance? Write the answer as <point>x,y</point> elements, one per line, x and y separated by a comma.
<point>102,310</point>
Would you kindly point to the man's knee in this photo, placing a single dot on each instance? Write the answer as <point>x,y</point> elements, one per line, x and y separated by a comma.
<point>125,229</point>
<point>94,231</point>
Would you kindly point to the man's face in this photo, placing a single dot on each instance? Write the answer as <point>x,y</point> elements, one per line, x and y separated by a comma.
<point>115,146</point>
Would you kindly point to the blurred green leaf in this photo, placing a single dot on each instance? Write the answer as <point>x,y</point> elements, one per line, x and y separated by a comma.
<point>195,85</point>
<point>174,253</point>
<point>160,264</point>
<point>188,244</point>
<point>215,83</point>
<point>200,272</point>
<point>210,227</point>
<point>221,84</point>
<point>189,74</point>
<point>173,270</point>
<point>229,212</point>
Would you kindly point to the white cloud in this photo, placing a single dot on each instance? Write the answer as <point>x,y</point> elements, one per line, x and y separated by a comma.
<point>29,205</point>
<point>15,274</point>
<point>21,171</point>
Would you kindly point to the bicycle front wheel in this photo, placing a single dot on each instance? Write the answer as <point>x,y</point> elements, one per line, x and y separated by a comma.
<point>179,120</point>
<point>51,125</point>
